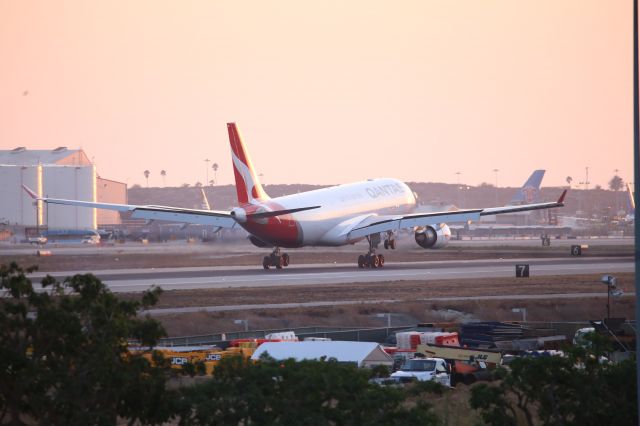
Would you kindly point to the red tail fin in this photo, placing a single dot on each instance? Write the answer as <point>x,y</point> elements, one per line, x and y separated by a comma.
<point>247,184</point>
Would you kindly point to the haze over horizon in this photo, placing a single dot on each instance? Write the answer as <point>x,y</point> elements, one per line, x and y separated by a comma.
<point>324,93</point>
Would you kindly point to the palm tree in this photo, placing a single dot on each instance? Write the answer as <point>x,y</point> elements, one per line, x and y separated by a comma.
<point>146,175</point>
<point>163,173</point>
<point>616,184</point>
<point>569,179</point>
<point>215,170</point>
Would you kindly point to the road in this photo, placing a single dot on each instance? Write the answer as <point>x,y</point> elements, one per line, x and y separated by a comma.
<point>136,280</point>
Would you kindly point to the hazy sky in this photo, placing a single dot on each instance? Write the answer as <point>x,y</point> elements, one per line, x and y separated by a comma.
<point>324,91</point>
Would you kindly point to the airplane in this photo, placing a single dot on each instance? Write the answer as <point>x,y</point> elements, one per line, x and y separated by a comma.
<point>530,191</point>
<point>334,216</point>
<point>526,194</point>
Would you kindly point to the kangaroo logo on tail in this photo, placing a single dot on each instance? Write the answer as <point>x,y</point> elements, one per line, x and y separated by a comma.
<point>248,186</point>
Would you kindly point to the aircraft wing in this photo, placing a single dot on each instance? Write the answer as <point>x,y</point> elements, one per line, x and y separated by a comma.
<point>220,219</point>
<point>376,224</point>
<point>176,214</point>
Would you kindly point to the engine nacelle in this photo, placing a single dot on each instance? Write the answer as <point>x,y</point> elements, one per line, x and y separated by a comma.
<point>433,237</point>
<point>258,242</point>
<point>239,214</point>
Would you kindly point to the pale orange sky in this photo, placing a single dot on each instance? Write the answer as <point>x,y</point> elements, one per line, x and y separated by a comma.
<point>325,92</point>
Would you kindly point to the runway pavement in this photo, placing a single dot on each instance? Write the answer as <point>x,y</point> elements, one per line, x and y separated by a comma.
<point>136,280</point>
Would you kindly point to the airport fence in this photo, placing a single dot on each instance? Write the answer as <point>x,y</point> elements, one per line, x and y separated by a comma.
<point>357,334</point>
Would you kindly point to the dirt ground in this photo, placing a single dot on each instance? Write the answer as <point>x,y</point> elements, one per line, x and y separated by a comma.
<point>408,309</point>
<point>409,306</point>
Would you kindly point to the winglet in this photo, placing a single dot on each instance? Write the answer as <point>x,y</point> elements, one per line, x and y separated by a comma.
<point>30,192</point>
<point>561,199</point>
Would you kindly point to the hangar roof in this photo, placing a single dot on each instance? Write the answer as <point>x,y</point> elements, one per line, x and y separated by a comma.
<point>28,157</point>
<point>361,353</point>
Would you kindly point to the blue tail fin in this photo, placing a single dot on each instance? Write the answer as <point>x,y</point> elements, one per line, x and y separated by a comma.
<point>530,191</point>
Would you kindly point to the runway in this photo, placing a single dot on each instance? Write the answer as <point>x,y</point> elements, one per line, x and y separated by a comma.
<point>137,280</point>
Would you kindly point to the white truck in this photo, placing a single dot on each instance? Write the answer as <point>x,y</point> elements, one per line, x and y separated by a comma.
<point>424,369</point>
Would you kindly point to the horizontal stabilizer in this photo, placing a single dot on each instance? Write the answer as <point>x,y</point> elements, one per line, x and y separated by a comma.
<point>279,212</point>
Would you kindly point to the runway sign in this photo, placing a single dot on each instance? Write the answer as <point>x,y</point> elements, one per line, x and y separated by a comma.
<point>522,270</point>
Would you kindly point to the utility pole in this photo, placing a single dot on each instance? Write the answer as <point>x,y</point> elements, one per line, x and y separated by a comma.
<point>496,172</point>
<point>206,180</point>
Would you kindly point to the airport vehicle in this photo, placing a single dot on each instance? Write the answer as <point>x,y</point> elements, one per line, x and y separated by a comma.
<point>37,240</point>
<point>425,369</point>
<point>372,210</point>
<point>468,365</point>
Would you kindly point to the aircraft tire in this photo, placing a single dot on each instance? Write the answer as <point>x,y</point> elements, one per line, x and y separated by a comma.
<point>361,263</point>
<point>375,262</point>
<point>285,259</point>
<point>392,244</point>
<point>380,261</point>
<point>386,244</point>
<point>266,262</point>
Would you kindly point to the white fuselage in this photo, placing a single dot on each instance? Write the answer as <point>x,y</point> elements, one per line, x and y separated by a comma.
<point>342,208</point>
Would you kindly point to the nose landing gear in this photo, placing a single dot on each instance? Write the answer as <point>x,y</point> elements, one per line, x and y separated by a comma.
<point>276,259</point>
<point>371,259</point>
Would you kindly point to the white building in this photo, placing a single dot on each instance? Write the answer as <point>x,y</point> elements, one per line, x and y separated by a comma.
<point>58,173</point>
<point>363,354</point>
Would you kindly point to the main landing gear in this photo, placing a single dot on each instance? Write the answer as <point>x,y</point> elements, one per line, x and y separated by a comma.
<point>277,259</point>
<point>371,259</point>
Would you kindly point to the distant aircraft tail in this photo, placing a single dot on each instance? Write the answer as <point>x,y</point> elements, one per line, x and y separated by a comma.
<point>631,198</point>
<point>530,191</point>
<point>205,201</point>
<point>248,186</point>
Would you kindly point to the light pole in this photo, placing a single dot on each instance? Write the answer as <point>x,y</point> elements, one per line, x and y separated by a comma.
<point>611,282</point>
<point>496,172</point>
<point>458,186</point>
<point>206,180</point>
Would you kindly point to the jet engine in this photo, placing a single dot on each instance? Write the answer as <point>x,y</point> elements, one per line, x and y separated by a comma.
<point>433,237</point>
<point>258,242</point>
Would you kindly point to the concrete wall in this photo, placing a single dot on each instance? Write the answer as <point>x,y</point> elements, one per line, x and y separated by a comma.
<point>69,182</point>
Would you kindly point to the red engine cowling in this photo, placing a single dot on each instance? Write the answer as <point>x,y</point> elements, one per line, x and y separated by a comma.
<point>433,237</point>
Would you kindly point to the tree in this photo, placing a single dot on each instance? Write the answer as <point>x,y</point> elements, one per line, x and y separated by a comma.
<point>163,173</point>
<point>65,357</point>
<point>146,176</point>
<point>290,392</point>
<point>569,179</point>
<point>575,390</point>
<point>215,172</point>
<point>616,183</point>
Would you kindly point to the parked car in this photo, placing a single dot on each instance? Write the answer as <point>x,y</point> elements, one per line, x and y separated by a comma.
<point>424,369</point>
